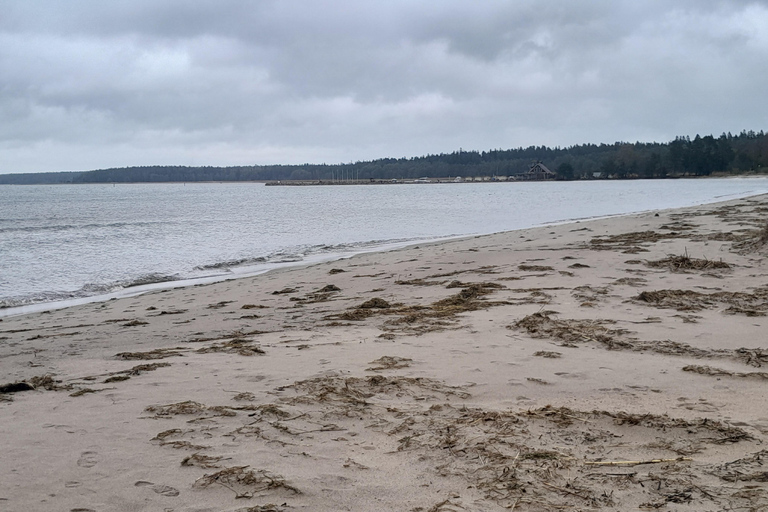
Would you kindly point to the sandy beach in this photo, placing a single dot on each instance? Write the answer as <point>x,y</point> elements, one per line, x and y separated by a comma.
<point>615,364</point>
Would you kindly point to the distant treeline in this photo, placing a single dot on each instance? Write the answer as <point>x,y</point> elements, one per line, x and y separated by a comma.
<point>700,156</point>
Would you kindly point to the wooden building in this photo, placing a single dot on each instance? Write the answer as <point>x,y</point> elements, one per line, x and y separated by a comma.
<point>538,171</point>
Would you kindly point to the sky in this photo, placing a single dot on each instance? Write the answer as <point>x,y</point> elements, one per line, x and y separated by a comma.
<point>95,84</point>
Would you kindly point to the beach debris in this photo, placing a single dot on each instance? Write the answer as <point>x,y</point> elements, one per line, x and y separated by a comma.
<point>285,291</point>
<point>201,461</point>
<point>48,383</point>
<point>631,243</point>
<point>220,304</point>
<point>750,304</point>
<point>630,281</point>
<point>548,354</point>
<point>635,462</point>
<point>535,268</point>
<point>171,312</point>
<point>158,353</point>
<point>135,323</point>
<point>718,372</point>
<point>246,483</point>
<point>572,332</point>
<point>237,345</point>
<point>684,263</point>
<point>390,363</point>
<point>253,306</point>
<point>84,391</point>
<point>188,408</point>
<point>418,282</point>
<point>269,507</point>
<point>116,378</point>
<point>15,387</point>
<point>336,271</point>
<point>375,303</point>
<point>321,295</point>
<point>149,367</point>
<point>753,241</point>
<point>751,468</point>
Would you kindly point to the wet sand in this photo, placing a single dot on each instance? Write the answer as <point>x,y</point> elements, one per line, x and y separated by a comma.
<point>616,363</point>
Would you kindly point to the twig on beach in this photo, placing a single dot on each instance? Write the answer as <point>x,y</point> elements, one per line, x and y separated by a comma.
<point>635,462</point>
<point>565,490</point>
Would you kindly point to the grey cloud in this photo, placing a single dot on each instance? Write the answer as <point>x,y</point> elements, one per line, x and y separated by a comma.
<point>248,82</point>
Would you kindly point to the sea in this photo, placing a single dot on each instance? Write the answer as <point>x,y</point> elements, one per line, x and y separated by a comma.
<point>62,245</point>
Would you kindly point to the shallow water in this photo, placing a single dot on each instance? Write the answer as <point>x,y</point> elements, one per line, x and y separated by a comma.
<point>61,242</point>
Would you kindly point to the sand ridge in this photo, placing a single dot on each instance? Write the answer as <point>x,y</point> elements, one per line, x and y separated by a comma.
<point>613,364</point>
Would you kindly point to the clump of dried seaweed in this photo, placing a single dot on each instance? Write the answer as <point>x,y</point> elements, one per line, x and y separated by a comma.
<point>631,242</point>
<point>375,303</point>
<point>754,240</point>
<point>159,353</point>
<point>418,282</point>
<point>717,372</point>
<point>241,346</point>
<point>149,367</point>
<point>751,304</point>
<point>246,483</point>
<point>357,392</point>
<point>201,461</point>
<point>747,469</point>
<point>535,268</point>
<point>420,319</point>
<point>685,263</point>
<point>134,323</point>
<point>188,408</point>
<point>390,363</point>
<point>321,295</point>
<point>48,383</point>
<point>572,331</point>
<point>548,354</point>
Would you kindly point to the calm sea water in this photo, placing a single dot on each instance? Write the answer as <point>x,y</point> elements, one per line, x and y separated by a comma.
<point>64,242</point>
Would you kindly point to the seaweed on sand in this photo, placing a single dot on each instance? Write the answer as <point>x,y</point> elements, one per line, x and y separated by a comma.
<point>751,304</point>
<point>188,408</point>
<point>419,318</point>
<point>246,483</point>
<point>684,263</point>
<point>718,372</point>
<point>390,363</point>
<point>571,332</point>
<point>752,468</point>
<point>159,353</point>
<point>48,383</point>
<point>630,240</point>
<point>753,241</point>
<point>201,461</point>
<point>237,345</point>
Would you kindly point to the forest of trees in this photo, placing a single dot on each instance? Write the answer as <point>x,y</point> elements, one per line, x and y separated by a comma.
<point>701,156</point>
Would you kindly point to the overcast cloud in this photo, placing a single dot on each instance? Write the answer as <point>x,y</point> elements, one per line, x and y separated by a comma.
<point>94,84</point>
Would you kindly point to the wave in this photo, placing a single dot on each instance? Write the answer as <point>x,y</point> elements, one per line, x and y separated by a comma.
<point>300,253</point>
<point>296,254</point>
<point>68,227</point>
<point>88,290</point>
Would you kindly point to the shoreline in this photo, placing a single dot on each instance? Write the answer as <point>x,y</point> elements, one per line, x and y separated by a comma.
<point>559,366</point>
<point>246,271</point>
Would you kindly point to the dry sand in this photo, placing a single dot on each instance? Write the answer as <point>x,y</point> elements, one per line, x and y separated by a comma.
<point>612,364</point>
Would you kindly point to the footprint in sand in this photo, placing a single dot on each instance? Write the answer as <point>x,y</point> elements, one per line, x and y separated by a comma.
<point>163,490</point>
<point>88,459</point>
